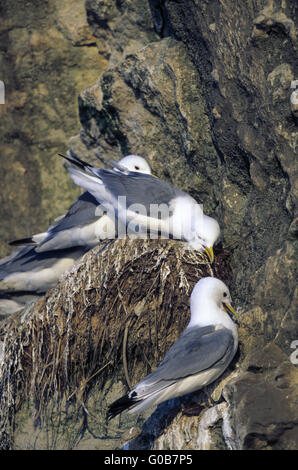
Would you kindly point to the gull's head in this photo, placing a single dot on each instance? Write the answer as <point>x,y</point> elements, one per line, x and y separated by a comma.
<point>207,233</point>
<point>136,163</point>
<point>209,297</point>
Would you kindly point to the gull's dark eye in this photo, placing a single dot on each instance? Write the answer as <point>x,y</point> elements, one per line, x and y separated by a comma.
<point>137,167</point>
<point>225,294</point>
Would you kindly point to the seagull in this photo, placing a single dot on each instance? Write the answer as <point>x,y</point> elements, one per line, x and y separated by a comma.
<point>29,271</point>
<point>12,303</point>
<point>86,221</point>
<point>143,203</point>
<point>38,262</point>
<point>199,356</point>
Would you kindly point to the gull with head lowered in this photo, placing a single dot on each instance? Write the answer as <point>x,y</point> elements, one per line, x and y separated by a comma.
<point>86,221</point>
<point>197,358</point>
<point>38,263</point>
<point>144,203</point>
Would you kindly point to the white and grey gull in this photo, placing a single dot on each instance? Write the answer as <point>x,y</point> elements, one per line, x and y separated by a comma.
<point>26,275</point>
<point>198,357</point>
<point>39,261</point>
<point>86,222</point>
<point>145,203</point>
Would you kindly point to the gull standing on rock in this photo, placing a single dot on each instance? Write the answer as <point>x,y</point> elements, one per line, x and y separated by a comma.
<point>197,358</point>
<point>145,203</point>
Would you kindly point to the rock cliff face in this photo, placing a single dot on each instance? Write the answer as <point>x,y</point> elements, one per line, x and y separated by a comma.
<point>47,56</point>
<point>203,91</point>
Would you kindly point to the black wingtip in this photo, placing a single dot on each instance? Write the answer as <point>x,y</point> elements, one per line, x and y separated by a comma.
<point>122,404</point>
<point>75,161</point>
<point>22,241</point>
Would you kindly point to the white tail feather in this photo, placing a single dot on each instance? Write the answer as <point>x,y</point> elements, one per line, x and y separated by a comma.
<point>93,184</point>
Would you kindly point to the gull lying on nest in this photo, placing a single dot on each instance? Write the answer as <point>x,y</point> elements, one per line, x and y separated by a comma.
<point>86,221</point>
<point>146,203</point>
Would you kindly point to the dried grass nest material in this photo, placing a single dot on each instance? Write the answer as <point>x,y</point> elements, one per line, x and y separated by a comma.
<point>124,304</point>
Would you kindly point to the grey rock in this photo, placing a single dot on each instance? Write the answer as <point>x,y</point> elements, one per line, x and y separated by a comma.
<point>203,92</point>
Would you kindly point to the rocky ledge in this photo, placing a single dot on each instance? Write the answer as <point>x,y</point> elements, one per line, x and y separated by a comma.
<point>202,91</point>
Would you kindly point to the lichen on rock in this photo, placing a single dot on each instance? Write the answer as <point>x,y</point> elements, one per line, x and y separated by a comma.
<point>203,92</point>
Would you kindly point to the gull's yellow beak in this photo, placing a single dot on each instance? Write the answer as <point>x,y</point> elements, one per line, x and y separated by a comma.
<point>209,252</point>
<point>229,309</point>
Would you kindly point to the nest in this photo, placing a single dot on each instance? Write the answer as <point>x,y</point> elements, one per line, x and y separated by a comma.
<point>123,306</point>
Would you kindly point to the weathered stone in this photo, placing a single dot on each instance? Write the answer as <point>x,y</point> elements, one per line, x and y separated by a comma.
<point>120,28</point>
<point>202,91</point>
<point>263,401</point>
<point>43,74</point>
<point>151,105</point>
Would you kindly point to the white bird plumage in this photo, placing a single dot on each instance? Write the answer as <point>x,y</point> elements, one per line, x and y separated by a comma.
<point>85,223</point>
<point>199,356</point>
<point>121,193</point>
<point>39,261</point>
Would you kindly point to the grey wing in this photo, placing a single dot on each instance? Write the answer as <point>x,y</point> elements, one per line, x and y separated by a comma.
<point>16,264</point>
<point>31,260</point>
<point>81,212</point>
<point>17,253</point>
<point>196,350</point>
<point>139,188</point>
<point>84,211</point>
